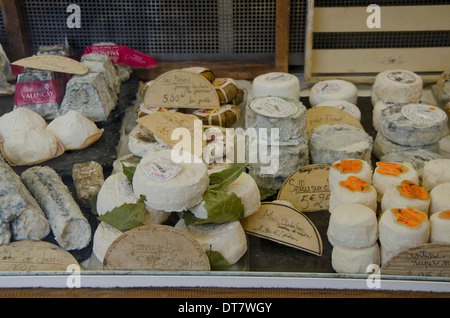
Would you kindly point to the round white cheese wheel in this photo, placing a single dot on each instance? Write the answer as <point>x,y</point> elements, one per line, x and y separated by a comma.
<point>355,260</point>
<point>341,169</point>
<point>30,146</point>
<point>286,115</point>
<point>376,112</point>
<point>382,146</point>
<point>74,130</point>
<point>350,108</point>
<point>104,236</point>
<point>440,227</point>
<point>387,174</point>
<point>228,238</point>
<point>413,124</point>
<point>329,143</point>
<point>335,89</point>
<point>353,225</point>
<point>403,227</point>
<point>19,120</point>
<point>353,190</point>
<point>440,198</point>
<point>142,142</point>
<point>276,84</point>
<point>406,194</point>
<point>435,172</point>
<point>171,181</point>
<point>397,86</point>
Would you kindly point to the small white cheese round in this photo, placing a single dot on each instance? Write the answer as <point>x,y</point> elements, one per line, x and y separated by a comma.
<point>341,169</point>
<point>353,225</point>
<point>355,260</point>
<point>350,108</point>
<point>397,86</point>
<point>353,190</point>
<point>406,194</point>
<point>435,172</point>
<point>440,198</point>
<point>171,181</point>
<point>74,130</point>
<point>376,112</point>
<point>276,84</point>
<point>335,89</point>
<point>247,190</point>
<point>19,120</point>
<point>440,227</point>
<point>403,227</point>
<point>30,146</point>
<point>104,236</point>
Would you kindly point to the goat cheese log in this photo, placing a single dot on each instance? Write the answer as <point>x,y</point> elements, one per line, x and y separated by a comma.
<point>70,228</point>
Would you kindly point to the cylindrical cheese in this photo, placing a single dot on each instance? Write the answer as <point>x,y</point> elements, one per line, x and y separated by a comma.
<point>435,172</point>
<point>276,84</point>
<point>402,228</point>
<point>387,174</point>
<point>440,198</point>
<point>104,236</point>
<point>397,86</point>
<point>440,227</point>
<point>142,142</point>
<point>341,169</point>
<point>353,190</point>
<point>355,260</point>
<point>406,193</point>
<point>171,181</point>
<point>376,112</point>
<point>350,108</point>
<point>335,89</point>
<point>353,225</point>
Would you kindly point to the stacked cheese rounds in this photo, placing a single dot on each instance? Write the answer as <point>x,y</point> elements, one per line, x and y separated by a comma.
<point>440,227</point>
<point>331,90</point>
<point>344,105</point>
<point>275,126</point>
<point>276,84</point>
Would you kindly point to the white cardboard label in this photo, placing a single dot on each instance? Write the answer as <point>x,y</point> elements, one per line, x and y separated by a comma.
<point>161,169</point>
<point>273,107</point>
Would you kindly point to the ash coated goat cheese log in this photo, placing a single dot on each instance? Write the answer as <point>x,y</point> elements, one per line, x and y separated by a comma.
<point>12,201</point>
<point>71,229</point>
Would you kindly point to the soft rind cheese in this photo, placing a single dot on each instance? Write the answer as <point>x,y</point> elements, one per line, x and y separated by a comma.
<point>341,169</point>
<point>329,143</point>
<point>19,120</point>
<point>440,198</point>
<point>436,171</point>
<point>104,236</point>
<point>355,260</point>
<point>353,190</point>
<point>413,124</point>
<point>440,227</point>
<point>406,194</point>
<point>350,108</point>
<point>276,84</point>
<point>180,192</point>
<point>141,142</point>
<point>335,89</point>
<point>441,90</point>
<point>397,86</point>
<point>376,112</point>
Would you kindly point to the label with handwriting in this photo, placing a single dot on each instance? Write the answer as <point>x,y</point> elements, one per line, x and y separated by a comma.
<point>307,188</point>
<point>285,225</point>
<point>181,89</point>
<point>156,248</point>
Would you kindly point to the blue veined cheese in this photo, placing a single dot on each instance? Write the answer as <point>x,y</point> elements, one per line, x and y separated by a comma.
<point>397,86</point>
<point>142,142</point>
<point>413,124</point>
<point>383,146</point>
<point>71,229</point>
<point>228,238</point>
<point>335,89</point>
<point>329,143</point>
<point>286,115</point>
<point>88,94</point>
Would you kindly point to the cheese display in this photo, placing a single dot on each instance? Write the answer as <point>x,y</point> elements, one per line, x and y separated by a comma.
<point>74,130</point>
<point>376,112</point>
<point>101,64</point>
<point>276,84</point>
<point>171,186</point>
<point>142,142</point>
<point>397,86</point>
<point>401,228</point>
<point>335,89</point>
<point>226,116</point>
<point>440,198</point>
<point>104,236</point>
<point>444,146</point>
<point>5,233</point>
<point>226,89</point>
<point>350,108</point>
<point>143,110</point>
<point>353,190</point>
<point>87,179</point>
<point>440,227</point>
<point>329,143</point>
<point>413,124</point>
<point>353,225</point>
<point>355,260</point>
<point>406,193</point>
<point>435,172</point>
<point>441,90</point>
<point>203,71</point>
<point>341,169</point>
<point>70,227</point>
<point>228,238</point>
<point>20,120</point>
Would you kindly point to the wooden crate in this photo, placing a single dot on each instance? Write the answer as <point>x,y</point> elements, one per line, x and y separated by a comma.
<point>361,65</point>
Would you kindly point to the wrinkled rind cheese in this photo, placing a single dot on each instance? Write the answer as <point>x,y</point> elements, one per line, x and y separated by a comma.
<point>441,90</point>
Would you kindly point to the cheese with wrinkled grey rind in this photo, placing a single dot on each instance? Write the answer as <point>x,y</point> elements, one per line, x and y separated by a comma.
<point>12,201</point>
<point>376,112</point>
<point>177,194</point>
<point>88,94</point>
<point>5,233</point>
<point>290,127</point>
<point>228,239</point>
<point>329,143</point>
<point>383,146</point>
<point>71,229</point>
<point>404,130</point>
